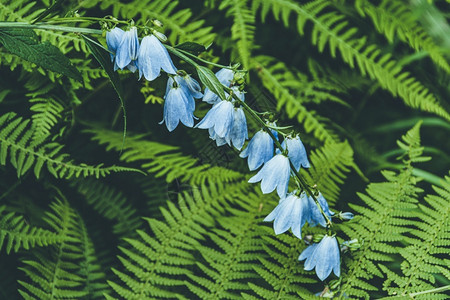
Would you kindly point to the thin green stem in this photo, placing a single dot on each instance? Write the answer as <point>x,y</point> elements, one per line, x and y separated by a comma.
<point>46,26</point>
<point>205,61</point>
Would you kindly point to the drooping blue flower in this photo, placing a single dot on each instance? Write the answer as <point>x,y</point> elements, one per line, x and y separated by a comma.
<point>113,40</point>
<point>259,150</point>
<point>128,49</point>
<point>153,57</point>
<point>315,216</point>
<point>296,151</point>
<point>225,76</point>
<point>291,212</point>
<point>275,174</point>
<point>239,132</point>
<point>179,106</point>
<point>192,85</point>
<point>220,117</point>
<point>324,257</point>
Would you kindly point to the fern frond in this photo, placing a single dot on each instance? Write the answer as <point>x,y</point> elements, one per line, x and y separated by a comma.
<point>111,204</point>
<point>329,165</point>
<point>395,19</point>
<point>429,247</point>
<point>332,29</point>
<point>280,268</point>
<point>243,28</point>
<point>47,112</point>
<point>154,259</point>
<point>180,23</point>
<point>227,267</point>
<point>164,160</point>
<point>94,279</point>
<point>53,274</point>
<point>15,142</point>
<point>386,217</point>
<point>17,234</point>
<point>273,78</point>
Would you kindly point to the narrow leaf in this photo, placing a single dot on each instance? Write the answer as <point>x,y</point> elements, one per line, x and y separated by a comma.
<point>105,61</point>
<point>210,80</point>
<point>191,47</point>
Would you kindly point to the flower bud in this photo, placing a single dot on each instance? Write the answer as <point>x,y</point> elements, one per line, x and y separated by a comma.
<point>346,215</point>
<point>160,36</point>
<point>157,23</point>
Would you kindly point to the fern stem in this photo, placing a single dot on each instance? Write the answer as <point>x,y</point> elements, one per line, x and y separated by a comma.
<point>45,26</point>
<point>303,183</point>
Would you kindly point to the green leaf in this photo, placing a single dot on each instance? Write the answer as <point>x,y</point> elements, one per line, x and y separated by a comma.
<point>102,56</point>
<point>191,47</point>
<point>210,80</point>
<point>25,44</point>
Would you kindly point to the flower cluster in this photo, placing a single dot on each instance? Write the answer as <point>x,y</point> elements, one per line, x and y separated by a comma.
<point>226,123</point>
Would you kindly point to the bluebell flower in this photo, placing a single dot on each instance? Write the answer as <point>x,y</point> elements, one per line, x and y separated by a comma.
<point>113,40</point>
<point>275,174</point>
<point>220,141</point>
<point>178,106</point>
<point>128,49</point>
<point>296,152</point>
<point>291,212</point>
<point>239,132</point>
<point>316,216</point>
<point>225,76</point>
<point>153,57</point>
<point>220,117</point>
<point>324,257</point>
<point>259,150</point>
<point>190,85</point>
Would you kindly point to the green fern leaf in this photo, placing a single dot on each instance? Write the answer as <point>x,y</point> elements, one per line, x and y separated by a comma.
<point>68,270</point>
<point>423,257</point>
<point>17,234</point>
<point>329,165</point>
<point>273,78</point>
<point>243,28</point>
<point>331,28</point>
<point>15,137</point>
<point>226,268</point>
<point>395,19</point>
<point>280,268</point>
<point>385,218</point>
<point>111,204</point>
<point>164,160</point>
<point>154,259</point>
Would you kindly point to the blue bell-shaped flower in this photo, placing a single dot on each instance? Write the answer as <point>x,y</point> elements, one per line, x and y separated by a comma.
<point>153,57</point>
<point>275,174</point>
<point>324,257</point>
<point>128,49</point>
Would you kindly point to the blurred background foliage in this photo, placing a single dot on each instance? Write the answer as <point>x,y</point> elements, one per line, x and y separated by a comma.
<point>351,76</point>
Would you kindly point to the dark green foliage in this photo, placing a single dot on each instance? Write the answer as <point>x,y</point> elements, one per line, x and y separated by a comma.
<point>67,270</point>
<point>179,220</point>
<point>24,154</point>
<point>16,234</point>
<point>24,43</point>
